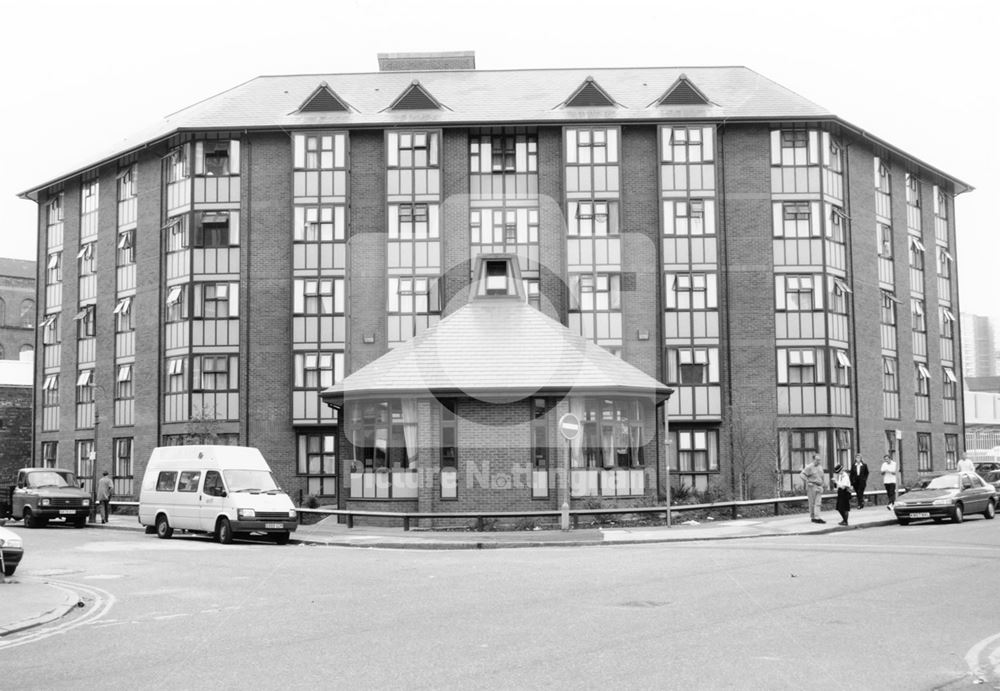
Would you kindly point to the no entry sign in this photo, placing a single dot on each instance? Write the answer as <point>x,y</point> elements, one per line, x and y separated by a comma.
<point>569,426</point>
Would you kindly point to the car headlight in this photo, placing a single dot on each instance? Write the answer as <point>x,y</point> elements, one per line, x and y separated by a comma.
<point>44,502</point>
<point>86,502</point>
<point>943,502</point>
<point>11,542</point>
<point>244,514</point>
<point>292,513</point>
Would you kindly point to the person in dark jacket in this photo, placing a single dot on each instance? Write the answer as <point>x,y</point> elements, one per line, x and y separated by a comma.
<point>859,479</point>
<point>842,483</point>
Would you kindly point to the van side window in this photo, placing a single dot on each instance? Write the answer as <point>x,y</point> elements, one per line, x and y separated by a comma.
<point>166,480</point>
<point>213,484</point>
<point>189,481</point>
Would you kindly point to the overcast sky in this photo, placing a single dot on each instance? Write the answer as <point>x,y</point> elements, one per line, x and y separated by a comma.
<point>80,75</point>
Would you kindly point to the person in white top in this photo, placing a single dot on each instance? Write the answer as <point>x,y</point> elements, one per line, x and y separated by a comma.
<point>889,479</point>
<point>966,465</point>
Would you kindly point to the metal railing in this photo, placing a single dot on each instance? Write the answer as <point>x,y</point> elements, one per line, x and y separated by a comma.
<point>405,517</point>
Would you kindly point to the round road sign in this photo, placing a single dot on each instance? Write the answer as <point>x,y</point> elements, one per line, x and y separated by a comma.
<point>569,426</point>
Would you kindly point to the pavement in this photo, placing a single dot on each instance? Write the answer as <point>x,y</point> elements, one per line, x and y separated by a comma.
<point>28,601</point>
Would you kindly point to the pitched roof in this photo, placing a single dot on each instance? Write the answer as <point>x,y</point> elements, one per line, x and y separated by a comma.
<point>480,98</point>
<point>499,348</point>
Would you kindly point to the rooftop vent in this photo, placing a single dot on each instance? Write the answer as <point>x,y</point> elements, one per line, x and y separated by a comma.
<point>425,62</point>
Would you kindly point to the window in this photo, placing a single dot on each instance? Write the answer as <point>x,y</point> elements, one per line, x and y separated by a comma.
<point>838,290</point>
<point>318,370</point>
<point>449,437</point>
<point>919,317</point>
<point>85,386</point>
<point>890,382</point>
<point>503,153</point>
<point>596,145</point>
<point>50,329</point>
<point>697,450</point>
<point>917,250</point>
<point>176,233</point>
<point>319,223</point>
<point>539,434</point>
<point>923,379</point>
<point>884,234</point>
<point>122,471</point>
<point>215,158</point>
<point>944,260</point>
<point>796,219</point>
<point>924,461</point>
<point>216,229</point>
<point>889,308</point>
<point>176,382</point>
<point>126,247</point>
<point>50,390</point>
<point>126,183</point>
<point>592,218</point>
<point>912,190</point>
<point>687,145</point>
<point>86,326</point>
<point>841,367</point>
<point>947,323</point>
<point>950,451</point>
<point>123,315</point>
<point>690,291</point>
<point>595,292</point>
<point>384,435</point>
<point>882,181</point>
<point>87,259</point>
<point>689,217</point>
<point>949,383</point>
<point>798,293</point>
<point>123,382</point>
<point>176,163</point>
<point>319,296</point>
<point>188,481</point>
<point>794,147</point>
<point>612,433</point>
<point>836,223</point>
<point>166,481</point>
<point>27,314</point>
<point>216,300</point>
<point>413,149</point>
<point>177,303</point>
<point>215,373</point>
<point>319,152</point>
<point>53,268</point>
<point>317,460</point>
<point>693,366</point>
<point>49,453</point>
<point>940,203</point>
<point>797,366</point>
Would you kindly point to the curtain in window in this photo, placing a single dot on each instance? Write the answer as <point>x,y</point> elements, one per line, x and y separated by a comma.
<point>577,406</point>
<point>409,410</point>
<point>608,445</point>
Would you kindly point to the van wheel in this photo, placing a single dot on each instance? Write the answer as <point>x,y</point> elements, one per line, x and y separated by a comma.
<point>224,531</point>
<point>282,538</point>
<point>150,529</point>
<point>163,529</point>
<point>31,520</point>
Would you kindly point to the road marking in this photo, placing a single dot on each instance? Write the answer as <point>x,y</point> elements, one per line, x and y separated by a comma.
<point>102,602</point>
<point>985,667</point>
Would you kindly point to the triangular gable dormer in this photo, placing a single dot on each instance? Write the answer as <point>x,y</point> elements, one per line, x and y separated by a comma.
<point>323,100</point>
<point>683,93</point>
<point>497,276</point>
<point>589,95</point>
<point>415,97</point>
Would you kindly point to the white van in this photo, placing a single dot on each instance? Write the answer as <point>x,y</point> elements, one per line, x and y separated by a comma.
<point>224,490</point>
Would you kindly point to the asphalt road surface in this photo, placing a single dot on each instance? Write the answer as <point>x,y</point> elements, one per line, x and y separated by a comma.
<point>887,608</point>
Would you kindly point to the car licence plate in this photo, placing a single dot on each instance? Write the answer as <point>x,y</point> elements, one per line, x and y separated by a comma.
<point>67,512</point>
<point>271,526</point>
<point>920,514</point>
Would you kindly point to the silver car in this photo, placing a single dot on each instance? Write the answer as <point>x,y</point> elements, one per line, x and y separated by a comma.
<point>953,495</point>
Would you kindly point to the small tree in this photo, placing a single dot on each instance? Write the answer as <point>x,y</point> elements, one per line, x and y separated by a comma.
<point>754,454</point>
<point>202,428</point>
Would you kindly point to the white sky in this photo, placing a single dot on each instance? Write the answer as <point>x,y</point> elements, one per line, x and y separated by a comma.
<point>78,76</point>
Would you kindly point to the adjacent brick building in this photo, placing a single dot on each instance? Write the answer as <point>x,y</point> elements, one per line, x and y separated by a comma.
<point>789,276</point>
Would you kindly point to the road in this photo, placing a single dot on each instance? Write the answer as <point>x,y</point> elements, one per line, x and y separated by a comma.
<point>883,608</point>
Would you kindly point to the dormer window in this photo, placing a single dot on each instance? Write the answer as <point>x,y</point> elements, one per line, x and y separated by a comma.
<point>498,276</point>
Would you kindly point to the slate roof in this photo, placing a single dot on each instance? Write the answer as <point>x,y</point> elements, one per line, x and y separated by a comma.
<point>497,347</point>
<point>483,97</point>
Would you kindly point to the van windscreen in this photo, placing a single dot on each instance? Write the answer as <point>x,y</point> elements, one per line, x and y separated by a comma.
<point>250,481</point>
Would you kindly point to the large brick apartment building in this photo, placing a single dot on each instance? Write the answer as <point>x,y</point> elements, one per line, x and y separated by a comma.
<point>784,276</point>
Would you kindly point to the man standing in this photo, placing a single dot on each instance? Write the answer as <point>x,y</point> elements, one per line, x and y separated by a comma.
<point>812,475</point>
<point>889,479</point>
<point>859,479</point>
<point>105,490</point>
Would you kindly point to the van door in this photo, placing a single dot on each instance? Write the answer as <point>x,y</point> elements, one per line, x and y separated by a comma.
<point>211,500</point>
<point>186,515</point>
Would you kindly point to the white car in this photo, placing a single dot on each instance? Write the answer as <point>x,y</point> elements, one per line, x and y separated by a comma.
<point>12,549</point>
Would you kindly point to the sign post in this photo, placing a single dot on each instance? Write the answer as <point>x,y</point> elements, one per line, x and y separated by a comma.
<point>569,428</point>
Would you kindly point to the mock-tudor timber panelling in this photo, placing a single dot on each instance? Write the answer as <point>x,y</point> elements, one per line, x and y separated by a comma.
<point>265,322</point>
<point>367,286</point>
<point>640,242</point>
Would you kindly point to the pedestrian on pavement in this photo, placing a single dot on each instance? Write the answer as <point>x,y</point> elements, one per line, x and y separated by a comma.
<point>859,479</point>
<point>812,475</point>
<point>105,490</point>
<point>889,479</point>
<point>842,483</point>
<point>966,465</point>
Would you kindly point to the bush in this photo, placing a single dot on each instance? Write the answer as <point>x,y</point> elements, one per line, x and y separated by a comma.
<point>525,523</point>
